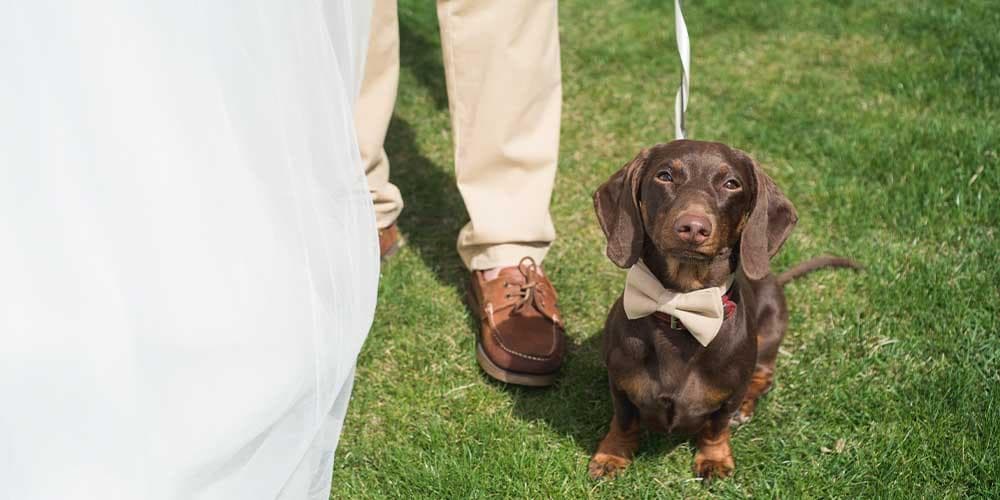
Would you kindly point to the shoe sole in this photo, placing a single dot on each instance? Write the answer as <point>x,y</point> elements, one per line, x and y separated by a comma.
<point>491,368</point>
<point>508,376</point>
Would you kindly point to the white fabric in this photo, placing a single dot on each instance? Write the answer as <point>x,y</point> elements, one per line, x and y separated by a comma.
<point>701,311</point>
<point>684,50</point>
<point>188,253</point>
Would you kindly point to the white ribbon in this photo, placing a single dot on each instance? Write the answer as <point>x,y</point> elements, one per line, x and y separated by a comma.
<point>701,311</point>
<point>684,49</point>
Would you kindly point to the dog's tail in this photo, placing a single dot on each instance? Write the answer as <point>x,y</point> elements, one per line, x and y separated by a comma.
<point>815,264</point>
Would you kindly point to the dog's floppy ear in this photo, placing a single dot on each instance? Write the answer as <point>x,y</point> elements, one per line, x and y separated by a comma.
<point>617,205</point>
<point>771,220</point>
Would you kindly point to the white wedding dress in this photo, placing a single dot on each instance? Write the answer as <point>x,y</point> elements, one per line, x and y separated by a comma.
<point>188,255</point>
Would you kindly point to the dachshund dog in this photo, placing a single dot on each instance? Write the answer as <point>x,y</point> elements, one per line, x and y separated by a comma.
<point>691,216</point>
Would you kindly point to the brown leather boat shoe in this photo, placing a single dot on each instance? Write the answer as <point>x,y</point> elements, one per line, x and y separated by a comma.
<point>521,339</point>
<point>389,241</point>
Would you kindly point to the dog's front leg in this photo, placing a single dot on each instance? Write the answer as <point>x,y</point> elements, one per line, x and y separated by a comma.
<point>760,384</point>
<point>617,448</point>
<point>714,458</point>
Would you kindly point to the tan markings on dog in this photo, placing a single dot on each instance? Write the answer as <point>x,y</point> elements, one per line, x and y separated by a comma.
<point>760,383</point>
<point>688,275</point>
<point>714,458</point>
<point>743,222</point>
<point>634,384</point>
<point>714,396</point>
<point>714,241</point>
<point>615,452</point>
<point>677,165</point>
<point>705,398</point>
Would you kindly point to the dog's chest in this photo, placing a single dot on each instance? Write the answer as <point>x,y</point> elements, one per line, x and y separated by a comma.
<point>674,388</point>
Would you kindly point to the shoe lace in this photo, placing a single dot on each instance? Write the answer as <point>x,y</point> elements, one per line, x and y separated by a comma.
<point>528,292</point>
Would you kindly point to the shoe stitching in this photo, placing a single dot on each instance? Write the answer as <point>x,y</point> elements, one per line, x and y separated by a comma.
<point>488,310</point>
<point>511,351</point>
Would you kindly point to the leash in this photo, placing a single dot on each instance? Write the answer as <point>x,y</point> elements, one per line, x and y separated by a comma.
<point>684,50</point>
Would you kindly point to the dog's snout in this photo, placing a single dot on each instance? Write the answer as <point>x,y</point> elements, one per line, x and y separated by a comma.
<point>693,228</point>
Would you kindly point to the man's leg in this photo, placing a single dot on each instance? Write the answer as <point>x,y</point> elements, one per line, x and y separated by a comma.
<point>372,115</point>
<point>501,61</point>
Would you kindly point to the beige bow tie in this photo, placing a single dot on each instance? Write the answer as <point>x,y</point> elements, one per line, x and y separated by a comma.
<point>700,311</point>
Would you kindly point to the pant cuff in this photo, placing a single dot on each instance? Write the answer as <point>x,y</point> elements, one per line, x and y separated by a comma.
<point>504,255</point>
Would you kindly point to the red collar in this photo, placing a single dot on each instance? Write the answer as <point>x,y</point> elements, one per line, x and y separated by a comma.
<point>728,308</point>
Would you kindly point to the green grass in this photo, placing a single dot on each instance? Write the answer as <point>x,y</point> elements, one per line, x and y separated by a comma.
<point>878,119</point>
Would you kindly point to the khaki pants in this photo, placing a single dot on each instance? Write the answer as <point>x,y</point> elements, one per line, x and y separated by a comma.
<point>501,60</point>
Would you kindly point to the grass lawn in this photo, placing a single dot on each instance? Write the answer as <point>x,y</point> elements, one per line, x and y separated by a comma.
<point>878,119</point>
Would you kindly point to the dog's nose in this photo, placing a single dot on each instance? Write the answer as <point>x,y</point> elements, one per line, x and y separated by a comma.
<point>693,228</point>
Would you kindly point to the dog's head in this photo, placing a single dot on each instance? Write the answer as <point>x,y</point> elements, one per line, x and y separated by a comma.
<point>694,201</point>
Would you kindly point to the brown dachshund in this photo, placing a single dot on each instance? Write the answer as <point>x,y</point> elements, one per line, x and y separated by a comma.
<point>697,215</point>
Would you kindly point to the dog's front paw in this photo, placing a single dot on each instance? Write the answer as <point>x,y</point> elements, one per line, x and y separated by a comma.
<point>605,466</point>
<point>709,469</point>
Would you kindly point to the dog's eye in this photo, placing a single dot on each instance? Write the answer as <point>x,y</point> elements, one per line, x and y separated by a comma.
<point>732,184</point>
<point>665,176</point>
